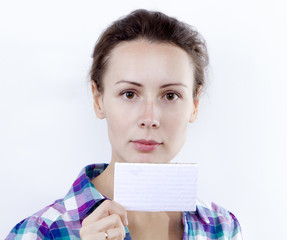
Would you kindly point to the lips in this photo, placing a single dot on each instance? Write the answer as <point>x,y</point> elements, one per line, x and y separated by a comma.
<point>146,145</point>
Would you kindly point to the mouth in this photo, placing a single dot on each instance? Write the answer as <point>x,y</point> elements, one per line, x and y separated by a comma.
<point>143,145</point>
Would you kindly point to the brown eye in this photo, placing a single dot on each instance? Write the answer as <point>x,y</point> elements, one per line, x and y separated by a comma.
<point>129,95</point>
<point>171,96</point>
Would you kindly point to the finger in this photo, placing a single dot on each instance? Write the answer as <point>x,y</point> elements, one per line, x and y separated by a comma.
<point>111,221</point>
<point>116,233</point>
<point>104,224</point>
<point>107,208</point>
<point>93,236</point>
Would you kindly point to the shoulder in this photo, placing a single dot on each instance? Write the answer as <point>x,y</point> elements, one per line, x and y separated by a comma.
<point>63,217</point>
<point>42,224</point>
<point>210,210</point>
<point>214,221</point>
<point>33,227</point>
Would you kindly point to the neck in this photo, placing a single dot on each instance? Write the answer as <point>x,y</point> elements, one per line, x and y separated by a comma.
<point>104,183</point>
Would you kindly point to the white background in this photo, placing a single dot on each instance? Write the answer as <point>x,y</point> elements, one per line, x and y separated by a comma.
<point>48,131</point>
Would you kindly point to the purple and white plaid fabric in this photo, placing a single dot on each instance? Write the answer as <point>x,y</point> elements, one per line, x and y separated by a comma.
<point>63,218</point>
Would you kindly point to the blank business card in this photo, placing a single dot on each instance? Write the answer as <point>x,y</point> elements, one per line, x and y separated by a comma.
<point>156,187</point>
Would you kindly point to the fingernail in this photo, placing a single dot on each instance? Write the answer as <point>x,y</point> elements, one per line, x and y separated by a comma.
<point>126,222</point>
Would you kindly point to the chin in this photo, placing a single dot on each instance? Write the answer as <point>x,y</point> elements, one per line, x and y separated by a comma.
<point>148,159</point>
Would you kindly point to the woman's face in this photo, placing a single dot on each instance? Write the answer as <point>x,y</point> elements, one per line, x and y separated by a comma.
<point>147,101</point>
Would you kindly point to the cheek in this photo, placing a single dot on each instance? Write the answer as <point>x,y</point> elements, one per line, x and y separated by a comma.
<point>118,120</point>
<point>176,125</point>
<point>176,118</point>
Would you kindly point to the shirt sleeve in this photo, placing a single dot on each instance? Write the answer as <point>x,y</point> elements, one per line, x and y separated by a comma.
<point>32,228</point>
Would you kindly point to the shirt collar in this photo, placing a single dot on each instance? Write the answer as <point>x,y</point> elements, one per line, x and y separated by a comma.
<point>83,197</point>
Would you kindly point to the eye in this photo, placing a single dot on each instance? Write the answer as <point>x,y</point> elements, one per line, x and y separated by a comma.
<point>171,96</point>
<point>129,94</point>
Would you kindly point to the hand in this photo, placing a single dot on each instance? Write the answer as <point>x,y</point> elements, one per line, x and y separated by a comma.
<point>106,222</point>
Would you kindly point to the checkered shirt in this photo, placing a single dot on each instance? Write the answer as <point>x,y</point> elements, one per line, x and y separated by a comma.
<point>63,218</point>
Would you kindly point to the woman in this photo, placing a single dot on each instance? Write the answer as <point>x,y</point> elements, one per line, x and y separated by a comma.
<point>147,73</point>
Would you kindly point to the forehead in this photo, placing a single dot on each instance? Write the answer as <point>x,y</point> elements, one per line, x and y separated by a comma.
<point>142,59</point>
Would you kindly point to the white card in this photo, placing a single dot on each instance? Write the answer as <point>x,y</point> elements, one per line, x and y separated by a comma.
<point>156,187</point>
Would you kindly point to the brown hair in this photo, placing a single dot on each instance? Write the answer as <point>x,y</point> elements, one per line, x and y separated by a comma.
<point>156,27</point>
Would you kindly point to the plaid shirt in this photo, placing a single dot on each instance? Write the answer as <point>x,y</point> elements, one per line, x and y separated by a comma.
<point>62,219</point>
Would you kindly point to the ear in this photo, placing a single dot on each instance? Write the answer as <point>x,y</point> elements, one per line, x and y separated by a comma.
<point>98,101</point>
<point>195,110</point>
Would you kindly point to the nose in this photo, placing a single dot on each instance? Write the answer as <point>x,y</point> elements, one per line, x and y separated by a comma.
<point>149,118</point>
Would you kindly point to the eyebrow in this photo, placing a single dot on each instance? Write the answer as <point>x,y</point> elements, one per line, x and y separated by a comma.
<point>140,85</point>
<point>130,82</point>
<point>173,84</point>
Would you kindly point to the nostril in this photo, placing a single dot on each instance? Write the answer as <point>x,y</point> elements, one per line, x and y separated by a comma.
<point>148,123</point>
